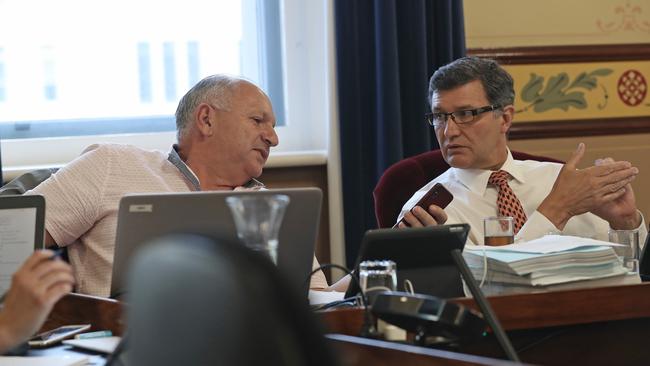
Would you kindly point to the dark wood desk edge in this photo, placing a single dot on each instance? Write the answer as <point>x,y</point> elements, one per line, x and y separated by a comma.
<point>569,307</point>
<point>368,351</point>
<point>107,314</point>
<point>102,313</point>
<point>538,310</point>
<point>523,311</point>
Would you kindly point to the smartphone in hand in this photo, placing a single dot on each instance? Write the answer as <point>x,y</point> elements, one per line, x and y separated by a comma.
<point>438,195</point>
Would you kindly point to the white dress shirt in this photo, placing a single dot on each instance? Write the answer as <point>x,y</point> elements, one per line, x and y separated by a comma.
<point>531,181</point>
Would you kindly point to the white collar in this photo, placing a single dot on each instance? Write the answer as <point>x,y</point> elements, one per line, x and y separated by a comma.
<point>476,179</point>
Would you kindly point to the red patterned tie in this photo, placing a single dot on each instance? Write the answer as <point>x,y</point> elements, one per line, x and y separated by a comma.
<point>508,204</point>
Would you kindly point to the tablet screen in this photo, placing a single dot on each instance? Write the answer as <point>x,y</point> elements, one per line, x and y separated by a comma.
<point>21,232</point>
<point>422,255</point>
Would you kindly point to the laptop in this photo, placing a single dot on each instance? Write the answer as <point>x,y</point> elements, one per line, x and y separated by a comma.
<point>144,217</point>
<point>22,227</point>
<point>422,256</point>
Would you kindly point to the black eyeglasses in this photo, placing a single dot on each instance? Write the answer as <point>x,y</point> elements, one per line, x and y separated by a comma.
<point>439,119</point>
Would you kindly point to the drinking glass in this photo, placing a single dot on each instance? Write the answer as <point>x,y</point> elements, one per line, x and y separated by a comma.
<point>258,219</point>
<point>377,275</point>
<point>498,230</point>
<point>629,253</point>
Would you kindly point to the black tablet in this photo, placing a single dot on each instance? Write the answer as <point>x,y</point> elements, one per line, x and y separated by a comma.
<point>422,256</point>
<point>22,226</point>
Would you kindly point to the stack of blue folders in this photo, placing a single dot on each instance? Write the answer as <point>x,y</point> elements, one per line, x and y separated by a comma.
<point>550,262</point>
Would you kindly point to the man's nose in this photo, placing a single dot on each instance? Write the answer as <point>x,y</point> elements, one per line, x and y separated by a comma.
<point>271,137</point>
<point>451,128</point>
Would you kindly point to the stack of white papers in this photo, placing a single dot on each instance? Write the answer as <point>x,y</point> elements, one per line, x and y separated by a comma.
<point>550,260</point>
<point>102,344</point>
<point>44,361</point>
<point>324,297</point>
<point>501,288</point>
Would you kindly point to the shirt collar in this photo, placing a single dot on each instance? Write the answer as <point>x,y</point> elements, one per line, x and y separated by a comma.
<point>187,172</point>
<point>476,179</point>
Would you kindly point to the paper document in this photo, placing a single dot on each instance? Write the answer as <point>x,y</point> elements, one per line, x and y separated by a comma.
<point>546,244</point>
<point>324,297</point>
<point>44,361</point>
<point>498,288</point>
<point>103,344</point>
<point>549,260</point>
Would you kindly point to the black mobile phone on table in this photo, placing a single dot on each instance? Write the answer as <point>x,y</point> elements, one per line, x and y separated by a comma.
<point>438,195</point>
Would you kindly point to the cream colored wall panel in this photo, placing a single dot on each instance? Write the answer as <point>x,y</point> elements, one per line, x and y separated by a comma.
<point>633,148</point>
<point>523,23</point>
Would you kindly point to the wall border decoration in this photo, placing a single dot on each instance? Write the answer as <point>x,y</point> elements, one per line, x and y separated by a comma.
<point>578,54</point>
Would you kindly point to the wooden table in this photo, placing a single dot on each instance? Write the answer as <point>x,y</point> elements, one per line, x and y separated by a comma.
<point>102,313</point>
<point>597,326</point>
<point>107,314</point>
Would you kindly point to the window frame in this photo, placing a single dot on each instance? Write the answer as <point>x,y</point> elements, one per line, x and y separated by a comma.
<point>304,26</point>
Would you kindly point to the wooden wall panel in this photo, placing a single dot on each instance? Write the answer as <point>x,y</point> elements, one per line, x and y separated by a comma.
<point>305,176</point>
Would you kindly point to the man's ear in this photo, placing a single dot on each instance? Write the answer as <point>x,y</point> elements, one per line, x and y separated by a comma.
<point>507,115</point>
<point>202,119</point>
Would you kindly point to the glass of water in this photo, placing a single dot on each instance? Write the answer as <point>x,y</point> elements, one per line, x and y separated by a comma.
<point>377,276</point>
<point>629,252</point>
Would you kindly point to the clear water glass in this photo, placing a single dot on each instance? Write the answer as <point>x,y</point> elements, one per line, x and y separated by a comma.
<point>377,275</point>
<point>629,253</point>
<point>258,219</point>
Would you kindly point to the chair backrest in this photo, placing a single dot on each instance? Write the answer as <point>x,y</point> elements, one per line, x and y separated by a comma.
<point>196,301</point>
<point>26,181</point>
<point>402,179</point>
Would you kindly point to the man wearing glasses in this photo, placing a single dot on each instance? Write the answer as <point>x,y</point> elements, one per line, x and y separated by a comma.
<point>472,111</point>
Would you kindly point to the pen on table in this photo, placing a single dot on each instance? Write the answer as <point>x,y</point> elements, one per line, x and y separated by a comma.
<point>56,253</point>
<point>98,334</point>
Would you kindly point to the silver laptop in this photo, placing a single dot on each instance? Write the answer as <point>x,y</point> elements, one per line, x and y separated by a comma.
<point>144,217</point>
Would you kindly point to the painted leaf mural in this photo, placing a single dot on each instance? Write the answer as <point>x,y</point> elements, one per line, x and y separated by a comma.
<point>559,92</point>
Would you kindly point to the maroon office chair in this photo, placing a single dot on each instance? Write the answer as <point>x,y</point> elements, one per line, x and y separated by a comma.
<point>402,179</point>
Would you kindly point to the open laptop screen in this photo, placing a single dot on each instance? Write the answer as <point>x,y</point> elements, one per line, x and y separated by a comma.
<point>22,220</point>
<point>144,217</point>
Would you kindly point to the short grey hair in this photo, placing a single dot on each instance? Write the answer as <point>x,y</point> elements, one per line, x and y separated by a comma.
<point>497,83</point>
<point>216,90</point>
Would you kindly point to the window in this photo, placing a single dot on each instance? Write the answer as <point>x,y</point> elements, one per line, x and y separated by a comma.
<point>81,72</point>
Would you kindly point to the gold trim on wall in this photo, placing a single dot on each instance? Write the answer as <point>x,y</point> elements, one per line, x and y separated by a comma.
<point>564,54</point>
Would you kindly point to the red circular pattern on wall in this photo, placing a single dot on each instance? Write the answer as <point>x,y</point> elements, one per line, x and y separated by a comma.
<point>632,88</point>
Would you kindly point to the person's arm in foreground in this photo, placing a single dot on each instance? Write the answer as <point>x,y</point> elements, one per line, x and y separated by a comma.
<point>35,288</point>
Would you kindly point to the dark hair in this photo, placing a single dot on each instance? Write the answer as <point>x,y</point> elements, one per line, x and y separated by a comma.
<point>496,81</point>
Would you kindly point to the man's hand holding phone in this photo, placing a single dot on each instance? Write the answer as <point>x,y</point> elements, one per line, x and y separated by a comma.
<point>429,211</point>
